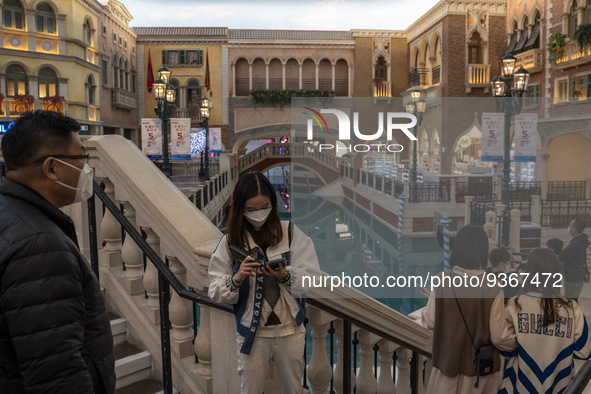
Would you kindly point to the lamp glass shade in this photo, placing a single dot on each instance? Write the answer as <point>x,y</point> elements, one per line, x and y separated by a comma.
<point>170,95</point>
<point>410,108</point>
<point>205,102</point>
<point>508,65</point>
<point>498,86</point>
<point>415,94</point>
<point>205,112</point>
<point>159,89</point>
<point>164,74</point>
<point>521,79</point>
<point>421,105</point>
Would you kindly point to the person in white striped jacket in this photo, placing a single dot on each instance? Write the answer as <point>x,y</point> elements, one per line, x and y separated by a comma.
<point>551,331</point>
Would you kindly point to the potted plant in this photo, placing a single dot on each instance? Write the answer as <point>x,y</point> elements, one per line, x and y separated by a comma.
<point>556,47</point>
<point>583,36</point>
<point>24,102</point>
<point>54,103</point>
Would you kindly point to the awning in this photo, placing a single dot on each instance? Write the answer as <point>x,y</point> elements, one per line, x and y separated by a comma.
<point>512,43</point>
<point>531,41</point>
<point>521,42</point>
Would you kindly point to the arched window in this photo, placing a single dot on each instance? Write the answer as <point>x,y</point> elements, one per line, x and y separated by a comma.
<point>534,38</point>
<point>116,72</point>
<point>193,92</point>
<point>45,19</point>
<point>380,68</point>
<point>16,80</point>
<point>513,41</point>
<point>573,20</point>
<point>122,73</point>
<point>47,82</point>
<point>87,32</point>
<point>126,68</point>
<point>475,49</point>
<point>90,90</point>
<point>13,15</point>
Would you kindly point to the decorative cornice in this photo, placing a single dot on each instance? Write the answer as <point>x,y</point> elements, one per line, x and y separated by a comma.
<point>378,33</point>
<point>454,7</point>
<point>14,53</point>
<point>92,5</point>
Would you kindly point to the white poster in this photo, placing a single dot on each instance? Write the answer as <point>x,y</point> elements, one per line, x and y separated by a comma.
<point>526,137</point>
<point>152,138</point>
<point>492,137</point>
<point>180,138</point>
<point>215,139</point>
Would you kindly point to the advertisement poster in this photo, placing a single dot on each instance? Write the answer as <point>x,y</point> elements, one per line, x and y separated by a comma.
<point>526,137</point>
<point>152,138</point>
<point>215,139</point>
<point>492,137</point>
<point>180,138</point>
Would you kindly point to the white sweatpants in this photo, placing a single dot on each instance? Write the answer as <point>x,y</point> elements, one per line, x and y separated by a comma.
<point>288,354</point>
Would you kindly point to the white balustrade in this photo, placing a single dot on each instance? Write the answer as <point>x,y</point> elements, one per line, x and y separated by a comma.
<point>132,256</point>
<point>110,254</point>
<point>150,279</point>
<point>181,316</point>
<point>366,380</point>
<point>338,370</point>
<point>203,343</point>
<point>403,371</point>
<point>319,368</point>
<point>385,379</point>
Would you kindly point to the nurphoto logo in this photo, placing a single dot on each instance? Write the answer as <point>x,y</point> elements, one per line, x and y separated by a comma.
<point>390,119</point>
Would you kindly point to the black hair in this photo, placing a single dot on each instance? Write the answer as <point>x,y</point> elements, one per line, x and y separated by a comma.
<point>579,225</point>
<point>248,186</point>
<point>555,245</point>
<point>470,248</point>
<point>33,131</point>
<point>498,256</point>
<point>543,263</point>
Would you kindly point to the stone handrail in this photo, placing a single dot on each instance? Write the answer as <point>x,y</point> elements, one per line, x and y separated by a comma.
<point>185,238</point>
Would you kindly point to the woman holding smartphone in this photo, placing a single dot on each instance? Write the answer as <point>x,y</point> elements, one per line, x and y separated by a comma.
<point>272,329</point>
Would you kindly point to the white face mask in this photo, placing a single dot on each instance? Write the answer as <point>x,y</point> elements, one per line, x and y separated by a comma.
<point>84,188</point>
<point>257,218</point>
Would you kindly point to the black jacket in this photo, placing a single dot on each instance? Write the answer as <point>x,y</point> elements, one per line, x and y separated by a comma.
<point>574,258</point>
<point>55,335</point>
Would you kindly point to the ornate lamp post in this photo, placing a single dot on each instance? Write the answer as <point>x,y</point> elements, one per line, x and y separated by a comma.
<point>205,108</point>
<point>508,88</point>
<point>165,95</point>
<point>417,107</point>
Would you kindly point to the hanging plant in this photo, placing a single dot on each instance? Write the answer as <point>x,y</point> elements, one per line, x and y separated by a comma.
<point>583,36</point>
<point>283,97</point>
<point>24,99</point>
<point>54,103</point>
<point>556,47</point>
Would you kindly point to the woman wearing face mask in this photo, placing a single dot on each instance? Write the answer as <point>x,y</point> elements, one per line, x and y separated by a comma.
<point>272,329</point>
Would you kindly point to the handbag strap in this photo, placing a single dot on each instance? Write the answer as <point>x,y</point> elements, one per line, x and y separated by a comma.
<point>463,319</point>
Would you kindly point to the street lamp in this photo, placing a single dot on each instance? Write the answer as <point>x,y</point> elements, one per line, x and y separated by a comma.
<point>417,107</point>
<point>165,95</point>
<point>508,88</point>
<point>205,108</point>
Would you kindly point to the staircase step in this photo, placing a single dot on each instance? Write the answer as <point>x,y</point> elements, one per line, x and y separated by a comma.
<point>131,364</point>
<point>119,330</point>
<point>145,386</point>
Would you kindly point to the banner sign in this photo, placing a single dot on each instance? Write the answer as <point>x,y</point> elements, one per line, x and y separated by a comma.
<point>492,137</point>
<point>180,136</point>
<point>526,137</point>
<point>215,140</point>
<point>152,138</point>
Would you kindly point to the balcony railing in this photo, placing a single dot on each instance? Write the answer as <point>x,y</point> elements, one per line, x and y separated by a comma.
<point>574,56</point>
<point>435,75</point>
<point>382,88</point>
<point>418,76</point>
<point>192,111</point>
<point>478,74</point>
<point>532,60</point>
<point>123,99</point>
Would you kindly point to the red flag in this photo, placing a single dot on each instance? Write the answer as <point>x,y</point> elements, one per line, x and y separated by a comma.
<point>150,81</point>
<point>207,82</point>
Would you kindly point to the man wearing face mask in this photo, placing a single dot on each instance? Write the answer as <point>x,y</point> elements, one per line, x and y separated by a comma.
<point>574,259</point>
<point>55,334</point>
